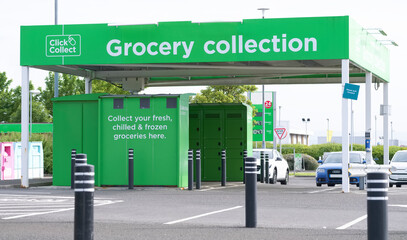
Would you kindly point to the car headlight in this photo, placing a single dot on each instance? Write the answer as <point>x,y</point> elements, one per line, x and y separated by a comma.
<point>320,170</point>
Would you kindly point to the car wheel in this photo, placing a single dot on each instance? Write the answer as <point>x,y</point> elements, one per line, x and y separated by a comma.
<point>273,180</point>
<point>286,179</point>
<point>398,185</point>
<point>319,184</point>
<point>331,184</point>
<point>390,184</point>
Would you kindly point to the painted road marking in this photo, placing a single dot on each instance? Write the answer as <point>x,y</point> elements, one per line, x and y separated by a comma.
<point>19,206</point>
<point>396,205</point>
<point>345,226</point>
<point>203,215</point>
<point>324,190</point>
<point>217,188</point>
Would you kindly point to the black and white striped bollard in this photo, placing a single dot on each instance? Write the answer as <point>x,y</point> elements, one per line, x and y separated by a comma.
<point>84,194</point>
<point>223,179</point>
<point>251,192</point>
<point>190,169</point>
<point>262,167</point>
<point>377,220</point>
<point>198,169</point>
<point>244,163</point>
<point>131,168</point>
<point>267,179</point>
<point>80,160</point>
<point>73,158</point>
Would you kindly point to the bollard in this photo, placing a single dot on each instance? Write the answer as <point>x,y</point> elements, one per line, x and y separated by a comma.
<point>190,169</point>
<point>262,167</point>
<point>80,160</point>
<point>84,194</point>
<point>377,187</point>
<point>198,169</point>
<point>73,157</point>
<point>361,183</point>
<point>223,180</point>
<point>267,178</point>
<point>131,168</point>
<point>244,157</point>
<point>251,192</point>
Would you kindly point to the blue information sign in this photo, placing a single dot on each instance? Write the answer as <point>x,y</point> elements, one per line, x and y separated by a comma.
<point>351,91</point>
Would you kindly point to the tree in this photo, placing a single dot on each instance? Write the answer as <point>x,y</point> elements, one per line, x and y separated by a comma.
<point>224,94</point>
<point>5,96</point>
<point>100,86</point>
<point>68,85</point>
<point>10,104</point>
<point>73,85</point>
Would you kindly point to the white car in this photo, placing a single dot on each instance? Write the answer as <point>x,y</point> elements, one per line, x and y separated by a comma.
<point>398,169</point>
<point>278,166</point>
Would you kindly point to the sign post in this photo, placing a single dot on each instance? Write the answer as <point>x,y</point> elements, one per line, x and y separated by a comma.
<point>268,123</point>
<point>281,134</point>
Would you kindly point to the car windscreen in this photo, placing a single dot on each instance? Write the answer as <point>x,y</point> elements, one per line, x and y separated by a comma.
<point>337,158</point>
<point>400,157</point>
<point>256,154</point>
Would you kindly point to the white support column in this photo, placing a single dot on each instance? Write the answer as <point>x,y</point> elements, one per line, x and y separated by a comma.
<point>88,85</point>
<point>25,91</point>
<point>368,116</point>
<point>345,128</point>
<point>386,123</point>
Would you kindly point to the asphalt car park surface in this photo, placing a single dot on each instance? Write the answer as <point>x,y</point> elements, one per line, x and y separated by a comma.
<point>299,210</point>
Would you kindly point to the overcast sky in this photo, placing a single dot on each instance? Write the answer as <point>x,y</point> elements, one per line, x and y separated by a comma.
<point>317,102</point>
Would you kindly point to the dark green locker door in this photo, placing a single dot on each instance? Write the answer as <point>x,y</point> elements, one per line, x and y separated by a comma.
<point>212,138</point>
<point>234,135</point>
<point>195,130</point>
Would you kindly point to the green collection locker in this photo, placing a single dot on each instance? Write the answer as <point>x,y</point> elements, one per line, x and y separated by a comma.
<point>214,127</point>
<point>105,127</point>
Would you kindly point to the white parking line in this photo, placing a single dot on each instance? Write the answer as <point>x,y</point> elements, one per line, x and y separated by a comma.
<point>324,190</point>
<point>396,205</point>
<point>20,206</point>
<point>345,226</point>
<point>216,188</point>
<point>203,215</point>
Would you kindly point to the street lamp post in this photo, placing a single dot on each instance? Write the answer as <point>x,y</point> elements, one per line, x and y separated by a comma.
<point>375,129</point>
<point>279,124</point>
<point>32,92</point>
<point>327,132</point>
<point>263,145</point>
<point>306,121</point>
<point>391,136</point>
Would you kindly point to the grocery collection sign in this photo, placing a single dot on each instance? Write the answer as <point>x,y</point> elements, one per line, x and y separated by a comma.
<point>278,39</point>
<point>177,42</point>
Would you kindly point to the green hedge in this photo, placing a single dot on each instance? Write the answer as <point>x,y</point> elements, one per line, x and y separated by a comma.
<point>317,150</point>
<point>309,162</point>
<point>45,138</point>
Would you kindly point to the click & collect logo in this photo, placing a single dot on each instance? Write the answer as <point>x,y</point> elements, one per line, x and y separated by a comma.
<point>63,45</point>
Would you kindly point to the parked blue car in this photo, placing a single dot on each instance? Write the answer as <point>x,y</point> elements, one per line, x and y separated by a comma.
<point>330,170</point>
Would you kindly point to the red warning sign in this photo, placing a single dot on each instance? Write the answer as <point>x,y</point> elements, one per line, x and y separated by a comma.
<point>280,132</point>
